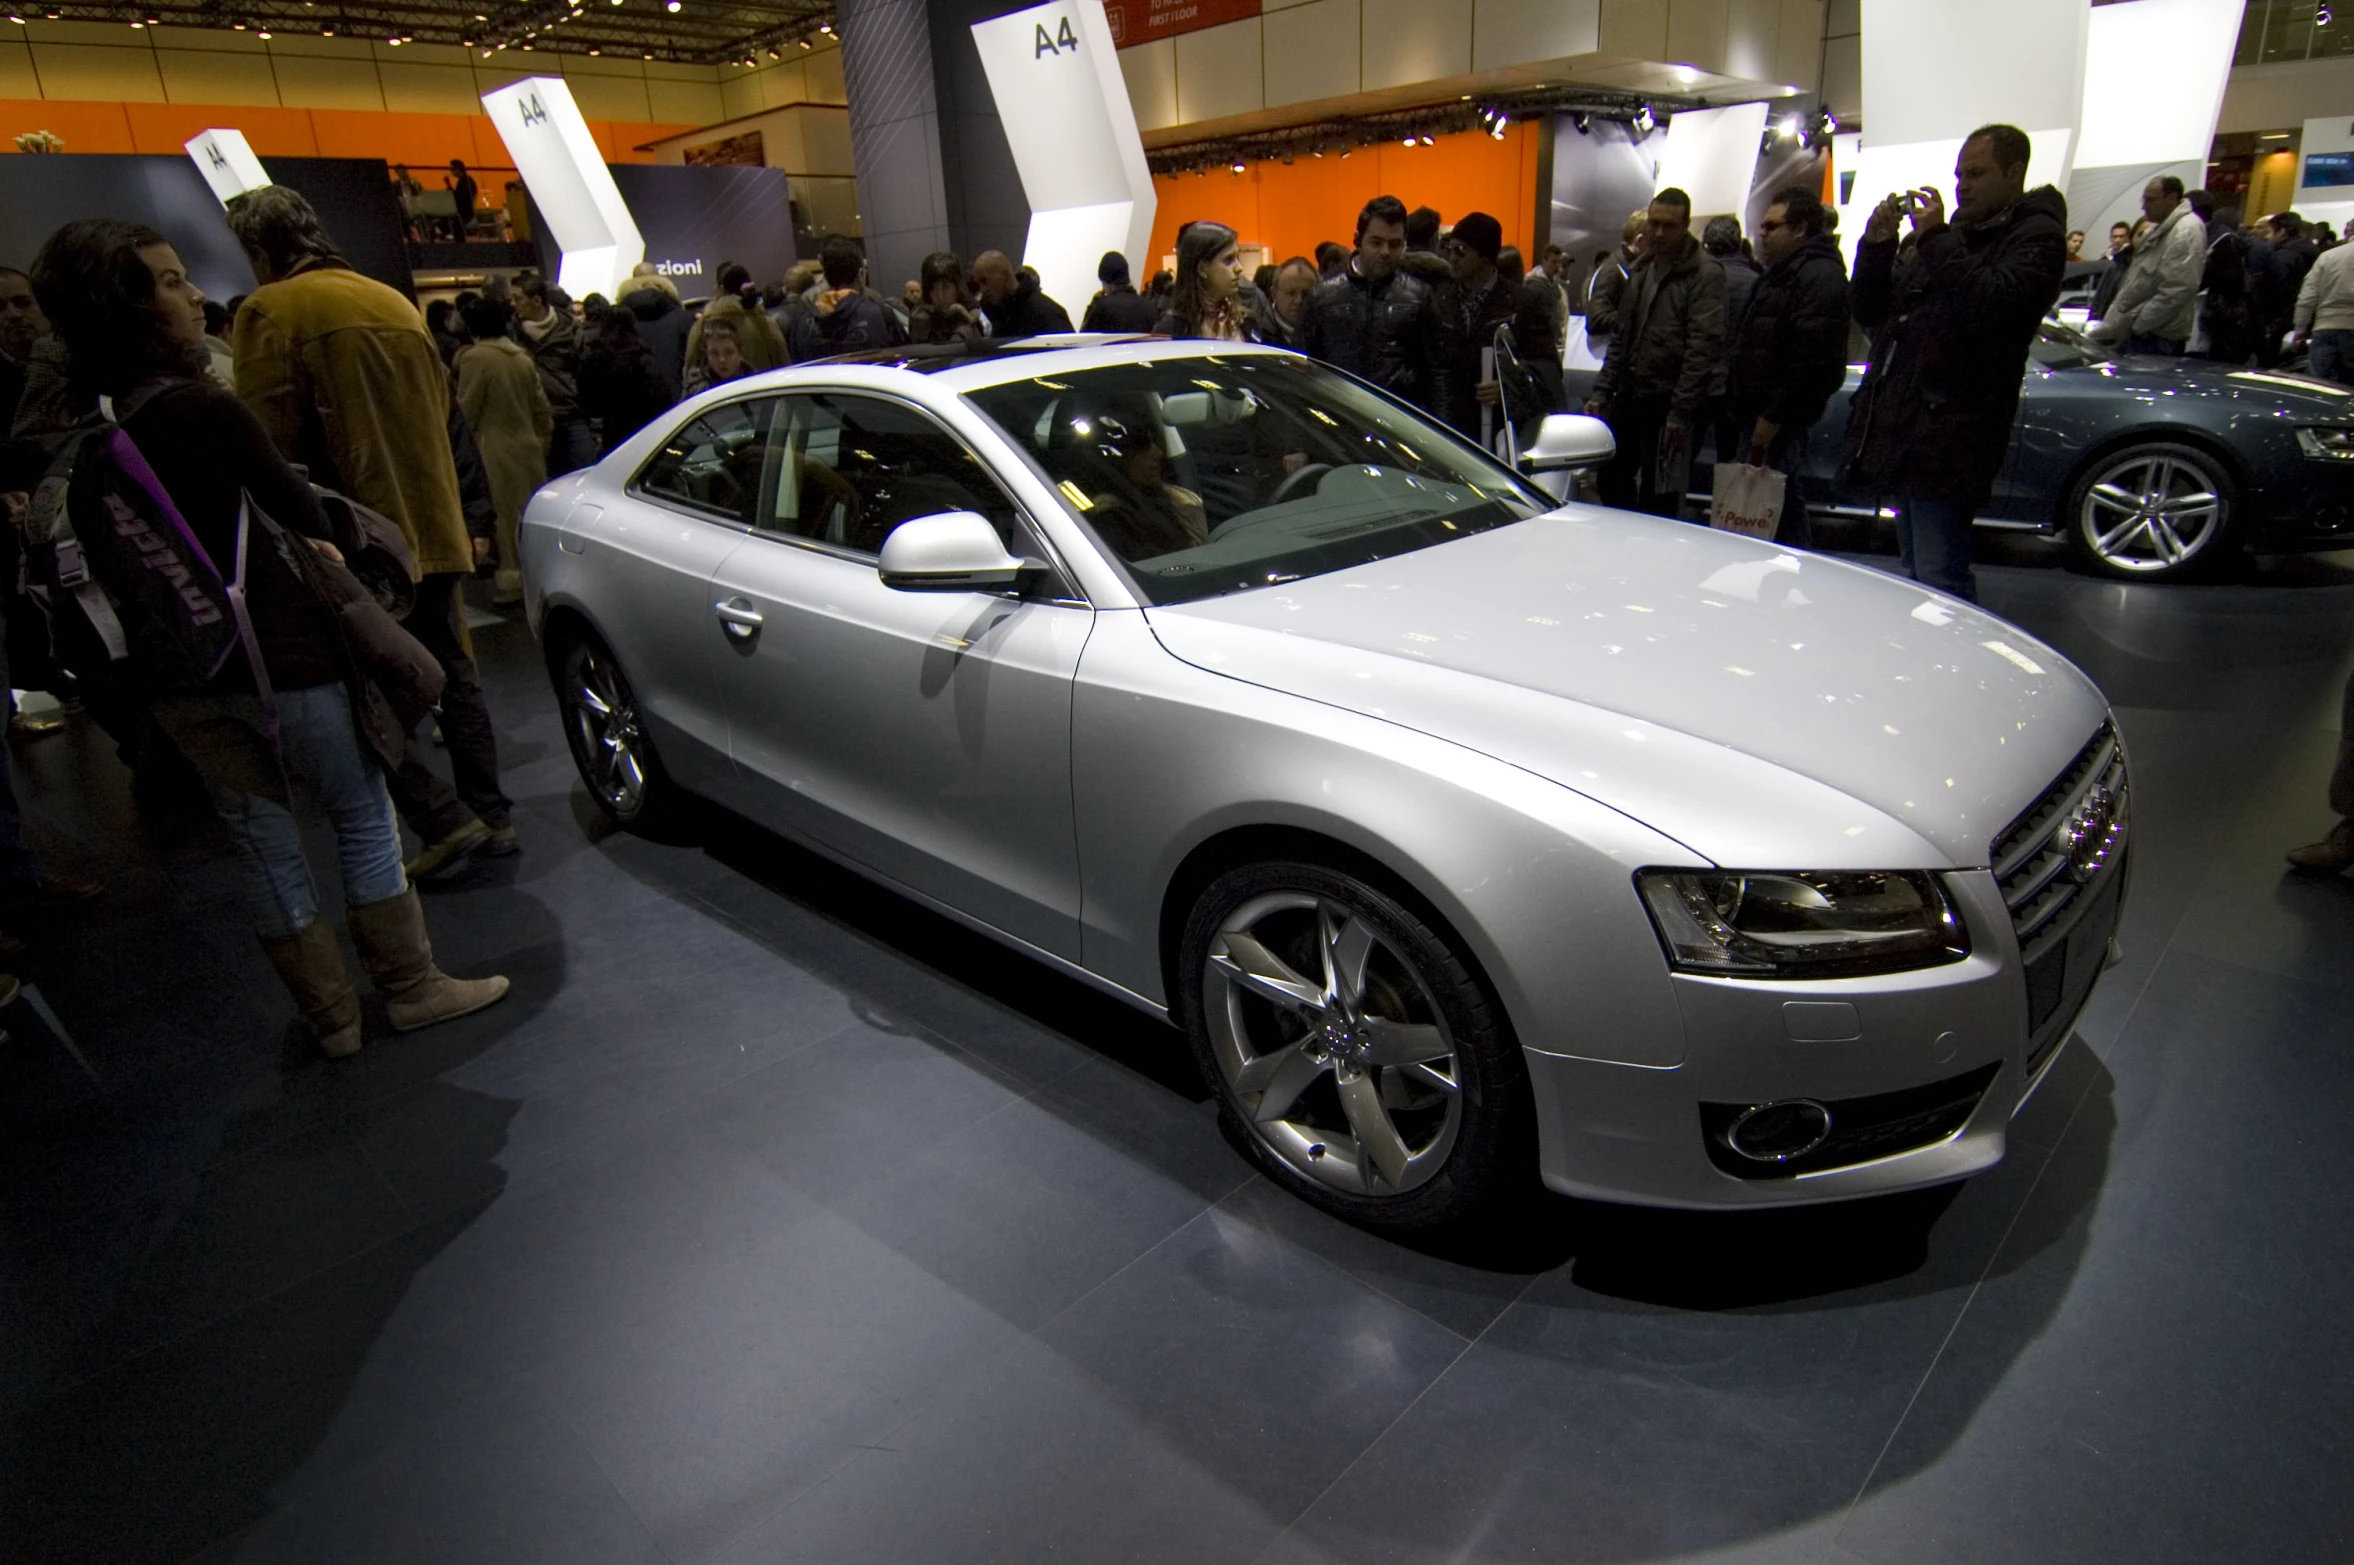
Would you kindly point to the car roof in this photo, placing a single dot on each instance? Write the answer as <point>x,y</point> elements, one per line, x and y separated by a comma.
<point>968,366</point>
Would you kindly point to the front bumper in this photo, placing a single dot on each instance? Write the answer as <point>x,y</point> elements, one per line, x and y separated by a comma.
<point>2311,507</point>
<point>1930,1066</point>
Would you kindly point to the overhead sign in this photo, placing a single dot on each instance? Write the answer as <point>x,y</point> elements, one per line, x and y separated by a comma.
<point>226,161</point>
<point>569,183</point>
<point>1141,21</point>
<point>1055,74</point>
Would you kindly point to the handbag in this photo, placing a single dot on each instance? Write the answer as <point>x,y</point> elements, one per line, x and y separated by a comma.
<point>383,654</point>
<point>1748,500</point>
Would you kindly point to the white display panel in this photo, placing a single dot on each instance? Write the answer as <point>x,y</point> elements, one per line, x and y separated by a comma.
<point>1939,69</point>
<point>2154,73</point>
<point>1064,103</point>
<point>1711,154</point>
<point>226,161</point>
<point>560,165</point>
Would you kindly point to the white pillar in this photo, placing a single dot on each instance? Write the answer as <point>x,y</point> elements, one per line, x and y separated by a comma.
<point>558,159</point>
<point>1935,70</point>
<point>2154,74</point>
<point>1064,103</point>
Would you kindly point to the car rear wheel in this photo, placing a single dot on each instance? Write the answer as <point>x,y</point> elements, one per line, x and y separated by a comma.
<point>1354,1052</point>
<point>608,738</point>
<point>2155,512</point>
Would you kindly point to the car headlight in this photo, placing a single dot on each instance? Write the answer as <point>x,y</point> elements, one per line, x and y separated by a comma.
<point>1802,924</point>
<point>2327,442</point>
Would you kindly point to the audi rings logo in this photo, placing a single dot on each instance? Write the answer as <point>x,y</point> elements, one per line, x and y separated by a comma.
<point>2090,835</point>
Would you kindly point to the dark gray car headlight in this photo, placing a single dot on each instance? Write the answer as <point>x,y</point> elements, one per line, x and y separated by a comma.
<point>1800,923</point>
<point>2328,443</point>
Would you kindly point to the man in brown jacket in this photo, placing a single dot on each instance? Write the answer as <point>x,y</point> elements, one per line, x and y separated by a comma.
<point>342,372</point>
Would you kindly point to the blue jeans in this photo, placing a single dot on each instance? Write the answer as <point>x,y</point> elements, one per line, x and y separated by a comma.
<point>2331,357</point>
<point>571,447</point>
<point>1933,539</point>
<point>323,762</point>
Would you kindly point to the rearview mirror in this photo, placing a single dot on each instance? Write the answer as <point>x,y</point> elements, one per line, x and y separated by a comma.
<point>956,551</point>
<point>1566,441</point>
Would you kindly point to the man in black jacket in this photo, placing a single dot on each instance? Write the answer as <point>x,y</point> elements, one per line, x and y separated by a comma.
<point>1119,308</point>
<point>844,318</point>
<point>1375,321</point>
<point>1789,350</point>
<point>1011,302</point>
<point>1653,388</point>
<point>1475,299</point>
<point>1932,420</point>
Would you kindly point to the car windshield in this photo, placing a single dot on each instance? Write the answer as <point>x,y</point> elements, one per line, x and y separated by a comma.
<point>1210,475</point>
<point>2058,347</point>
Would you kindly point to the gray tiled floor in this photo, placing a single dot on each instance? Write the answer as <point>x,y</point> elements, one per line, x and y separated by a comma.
<point>776,1220</point>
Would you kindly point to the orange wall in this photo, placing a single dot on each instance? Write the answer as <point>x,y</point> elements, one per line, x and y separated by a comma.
<point>423,141</point>
<point>1290,208</point>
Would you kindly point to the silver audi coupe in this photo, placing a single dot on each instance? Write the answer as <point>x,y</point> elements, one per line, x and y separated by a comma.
<point>1469,835</point>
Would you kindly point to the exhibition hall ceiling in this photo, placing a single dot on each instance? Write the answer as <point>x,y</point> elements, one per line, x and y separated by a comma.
<point>698,32</point>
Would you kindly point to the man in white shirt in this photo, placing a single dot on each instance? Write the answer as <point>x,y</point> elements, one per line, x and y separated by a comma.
<point>2325,315</point>
<point>2158,303</point>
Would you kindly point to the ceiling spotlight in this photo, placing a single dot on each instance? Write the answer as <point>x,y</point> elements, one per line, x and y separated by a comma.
<point>393,42</point>
<point>806,44</point>
<point>772,54</point>
<point>263,35</point>
<point>1238,165</point>
<point>1644,121</point>
<point>135,26</point>
<point>1584,122</point>
<point>18,20</point>
<point>826,28</point>
<point>235,27</point>
<point>670,6</point>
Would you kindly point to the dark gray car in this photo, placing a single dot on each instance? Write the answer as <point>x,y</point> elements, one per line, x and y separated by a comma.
<point>2153,469</point>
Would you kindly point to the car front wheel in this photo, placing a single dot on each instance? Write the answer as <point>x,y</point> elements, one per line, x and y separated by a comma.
<point>1354,1051</point>
<point>2156,512</point>
<point>607,735</point>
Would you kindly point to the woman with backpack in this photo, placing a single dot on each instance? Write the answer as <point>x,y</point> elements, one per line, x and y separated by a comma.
<point>118,296</point>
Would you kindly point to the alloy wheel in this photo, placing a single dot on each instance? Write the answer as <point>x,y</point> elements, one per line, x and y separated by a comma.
<point>606,735</point>
<point>1331,1044</point>
<point>2150,512</point>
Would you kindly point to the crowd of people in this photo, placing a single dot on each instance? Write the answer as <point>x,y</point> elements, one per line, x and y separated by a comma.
<point>321,416</point>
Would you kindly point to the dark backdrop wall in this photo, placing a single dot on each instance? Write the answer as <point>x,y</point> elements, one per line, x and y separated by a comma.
<point>353,195</point>
<point>934,169</point>
<point>695,218</point>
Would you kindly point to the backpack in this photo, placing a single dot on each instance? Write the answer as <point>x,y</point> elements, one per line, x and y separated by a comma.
<point>179,613</point>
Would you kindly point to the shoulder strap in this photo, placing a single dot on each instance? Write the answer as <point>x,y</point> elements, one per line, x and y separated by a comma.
<point>245,632</point>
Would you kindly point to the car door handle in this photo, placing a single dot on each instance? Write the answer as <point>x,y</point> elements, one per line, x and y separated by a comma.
<point>738,618</point>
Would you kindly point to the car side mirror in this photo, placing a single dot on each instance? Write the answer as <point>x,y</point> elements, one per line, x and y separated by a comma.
<point>955,551</point>
<point>1566,441</point>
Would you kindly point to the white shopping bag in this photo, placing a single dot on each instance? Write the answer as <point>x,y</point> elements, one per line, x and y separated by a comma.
<point>1748,500</point>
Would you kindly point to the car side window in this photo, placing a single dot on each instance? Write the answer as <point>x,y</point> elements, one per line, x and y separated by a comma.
<point>848,469</point>
<point>713,463</point>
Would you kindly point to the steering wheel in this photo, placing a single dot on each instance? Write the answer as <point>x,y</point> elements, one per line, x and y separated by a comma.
<point>1304,478</point>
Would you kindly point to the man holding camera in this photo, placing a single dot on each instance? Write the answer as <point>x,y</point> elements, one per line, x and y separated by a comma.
<point>1932,420</point>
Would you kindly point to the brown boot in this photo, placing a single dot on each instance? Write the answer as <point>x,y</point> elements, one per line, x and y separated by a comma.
<point>2332,855</point>
<point>311,966</point>
<point>394,950</point>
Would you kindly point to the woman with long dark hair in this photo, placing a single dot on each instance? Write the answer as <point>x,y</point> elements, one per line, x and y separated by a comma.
<point>122,303</point>
<point>942,315</point>
<point>1208,299</point>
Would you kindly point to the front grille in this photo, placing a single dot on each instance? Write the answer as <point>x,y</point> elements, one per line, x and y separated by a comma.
<point>1862,1129</point>
<point>2073,836</point>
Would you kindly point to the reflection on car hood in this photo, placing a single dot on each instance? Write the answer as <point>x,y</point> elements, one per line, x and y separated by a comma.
<point>1766,708</point>
<point>2300,395</point>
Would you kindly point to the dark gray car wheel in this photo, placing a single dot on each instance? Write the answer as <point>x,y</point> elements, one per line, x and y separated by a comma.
<point>607,735</point>
<point>2156,511</point>
<point>1354,1052</point>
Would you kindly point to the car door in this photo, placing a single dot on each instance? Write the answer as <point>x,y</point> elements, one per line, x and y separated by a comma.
<point>925,735</point>
<point>653,553</point>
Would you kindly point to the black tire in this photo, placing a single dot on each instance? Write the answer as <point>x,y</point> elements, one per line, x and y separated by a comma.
<point>1455,1151</point>
<point>2139,473</point>
<point>625,778</point>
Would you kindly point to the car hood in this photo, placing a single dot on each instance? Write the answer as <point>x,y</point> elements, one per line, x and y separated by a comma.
<point>1766,708</point>
<point>2300,395</point>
